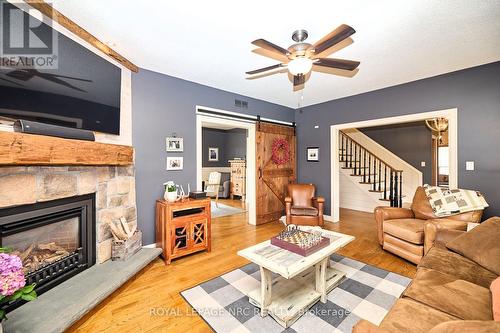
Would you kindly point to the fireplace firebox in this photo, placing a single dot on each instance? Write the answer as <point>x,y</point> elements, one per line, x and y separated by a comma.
<point>55,240</point>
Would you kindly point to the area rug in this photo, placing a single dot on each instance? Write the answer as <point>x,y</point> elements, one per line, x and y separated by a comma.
<point>367,293</point>
<point>224,210</point>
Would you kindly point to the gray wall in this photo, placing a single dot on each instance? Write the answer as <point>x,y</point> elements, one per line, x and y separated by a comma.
<point>475,92</point>
<point>410,141</point>
<point>231,143</point>
<point>211,137</point>
<point>162,105</point>
<point>236,144</point>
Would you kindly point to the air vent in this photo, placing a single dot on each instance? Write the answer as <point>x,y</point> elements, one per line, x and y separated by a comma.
<point>241,104</point>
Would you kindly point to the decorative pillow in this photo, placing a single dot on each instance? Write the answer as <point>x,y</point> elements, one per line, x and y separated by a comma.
<point>481,244</point>
<point>495,298</point>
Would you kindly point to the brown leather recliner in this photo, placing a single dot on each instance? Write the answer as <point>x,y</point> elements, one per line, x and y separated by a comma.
<point>401,230</point>
<point>302,207</point>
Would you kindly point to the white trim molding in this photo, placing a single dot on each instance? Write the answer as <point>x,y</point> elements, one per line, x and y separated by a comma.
<point>450,114</point>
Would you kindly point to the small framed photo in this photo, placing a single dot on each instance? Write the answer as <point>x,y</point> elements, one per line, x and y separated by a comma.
<point>213,154</point>
<point>312,154</point>
<point>175,144</point>
<point>175,163</point>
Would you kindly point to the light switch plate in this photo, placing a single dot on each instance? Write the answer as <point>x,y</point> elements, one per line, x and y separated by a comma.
<point>469,165</point>
<point>422,164</point>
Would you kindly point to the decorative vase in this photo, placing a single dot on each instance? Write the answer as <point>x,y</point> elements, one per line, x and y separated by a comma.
<point>170,196</point>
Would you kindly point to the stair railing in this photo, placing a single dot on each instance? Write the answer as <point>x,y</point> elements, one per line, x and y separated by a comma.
<point>380,175</point>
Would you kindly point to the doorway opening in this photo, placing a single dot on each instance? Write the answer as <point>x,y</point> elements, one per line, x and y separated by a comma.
<point>340,143</point>
<point>225,164</point>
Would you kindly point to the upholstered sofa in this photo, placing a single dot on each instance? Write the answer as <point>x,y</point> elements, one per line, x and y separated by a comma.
<point>451,290</point>
<point>401,230</point>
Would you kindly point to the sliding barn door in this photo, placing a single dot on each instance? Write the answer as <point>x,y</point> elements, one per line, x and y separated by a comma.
<point>273,175</point>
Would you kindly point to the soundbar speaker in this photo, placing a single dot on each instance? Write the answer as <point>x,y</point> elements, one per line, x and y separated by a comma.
<point>32,127</point>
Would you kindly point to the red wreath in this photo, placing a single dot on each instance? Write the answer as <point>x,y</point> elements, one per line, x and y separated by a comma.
<point>281,151</point>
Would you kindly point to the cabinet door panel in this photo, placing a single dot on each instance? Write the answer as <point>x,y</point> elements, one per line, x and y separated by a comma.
<point>180,238</point>
<point>199,233</point>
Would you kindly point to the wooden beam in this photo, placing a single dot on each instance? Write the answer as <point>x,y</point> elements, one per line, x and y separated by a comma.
<point>29,149</point>
<point>64,21</point>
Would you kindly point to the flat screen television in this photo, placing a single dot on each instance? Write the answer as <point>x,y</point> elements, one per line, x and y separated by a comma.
<point>82,91</point>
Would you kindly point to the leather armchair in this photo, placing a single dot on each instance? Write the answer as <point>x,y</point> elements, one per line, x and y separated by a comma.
<point>401,230</point>
<point>302,207</point>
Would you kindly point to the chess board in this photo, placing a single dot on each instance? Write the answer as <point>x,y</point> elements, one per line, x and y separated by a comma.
<point>300,242</point>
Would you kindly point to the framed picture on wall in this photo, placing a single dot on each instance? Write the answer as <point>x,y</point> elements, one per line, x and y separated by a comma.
<point>175,144</point>
<point>312,154</point>
<point>213,154</point>
<point>175,163</point>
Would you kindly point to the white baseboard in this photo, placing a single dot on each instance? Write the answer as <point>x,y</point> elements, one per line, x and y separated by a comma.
<point>150,246</point>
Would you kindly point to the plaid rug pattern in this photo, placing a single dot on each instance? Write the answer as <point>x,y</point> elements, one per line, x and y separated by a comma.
<point>367,293</point>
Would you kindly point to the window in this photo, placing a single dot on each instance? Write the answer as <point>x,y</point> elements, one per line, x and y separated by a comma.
<point>443,161</point>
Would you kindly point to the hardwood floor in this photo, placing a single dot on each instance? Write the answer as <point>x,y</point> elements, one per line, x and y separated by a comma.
<point>151,301</point>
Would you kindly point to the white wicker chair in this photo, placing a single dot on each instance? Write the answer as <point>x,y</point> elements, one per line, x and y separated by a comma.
<point>213,186</point>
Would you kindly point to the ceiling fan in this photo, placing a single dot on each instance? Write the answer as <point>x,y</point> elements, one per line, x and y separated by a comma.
<point>300,58</point>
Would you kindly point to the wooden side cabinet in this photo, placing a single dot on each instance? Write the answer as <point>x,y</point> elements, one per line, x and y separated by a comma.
<point>183,227</point>
<point>238,178</point>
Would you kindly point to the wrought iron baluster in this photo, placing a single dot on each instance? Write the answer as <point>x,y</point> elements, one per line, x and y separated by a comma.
<point>342,152</point>
<point>396,191</point>
<point>375,174</point>
<point>391,189</point>
<point>401,189</point>
<point>379,174</point>
<point>359,159</point>
<point>369,168</point>
<point>355,162</point>
<point>350,153</point>
<point>385,181</point>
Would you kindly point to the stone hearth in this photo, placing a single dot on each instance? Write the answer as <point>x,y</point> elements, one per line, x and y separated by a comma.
<point>114,187</point>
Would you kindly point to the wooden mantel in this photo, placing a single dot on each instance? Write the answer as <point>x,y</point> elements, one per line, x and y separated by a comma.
<point>29,149</point>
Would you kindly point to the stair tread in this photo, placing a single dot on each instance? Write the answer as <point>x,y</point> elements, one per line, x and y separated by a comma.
<point>376,191</point>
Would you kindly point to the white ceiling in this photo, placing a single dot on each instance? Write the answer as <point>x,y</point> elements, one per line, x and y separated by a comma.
<point>208,42</point>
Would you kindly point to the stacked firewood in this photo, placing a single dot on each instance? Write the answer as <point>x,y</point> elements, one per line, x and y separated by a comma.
<point>121,230</point>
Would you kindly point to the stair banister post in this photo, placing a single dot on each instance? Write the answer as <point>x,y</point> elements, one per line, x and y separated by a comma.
<point>374,173</point>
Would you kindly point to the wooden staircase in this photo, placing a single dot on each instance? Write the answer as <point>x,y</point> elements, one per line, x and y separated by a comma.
<point>372,170</point>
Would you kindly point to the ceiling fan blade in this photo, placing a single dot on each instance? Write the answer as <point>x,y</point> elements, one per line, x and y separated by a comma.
<point>273,55</point>
<point>265,69</point>
<point>270,46</point>
<point>337,63</point>
<point>334,37</point>
<point>299,79</point>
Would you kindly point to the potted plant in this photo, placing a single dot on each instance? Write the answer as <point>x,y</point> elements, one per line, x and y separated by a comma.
<point>12,282</point>
<point>170,191</point>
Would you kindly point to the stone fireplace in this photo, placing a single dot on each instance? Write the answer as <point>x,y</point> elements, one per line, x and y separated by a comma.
<point>112,186</point>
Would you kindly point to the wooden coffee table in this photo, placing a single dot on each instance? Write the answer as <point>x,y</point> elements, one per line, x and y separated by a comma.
<point>302,281</point>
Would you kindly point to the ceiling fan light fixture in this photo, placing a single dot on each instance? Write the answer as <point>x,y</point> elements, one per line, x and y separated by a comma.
<point>300,65</point>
